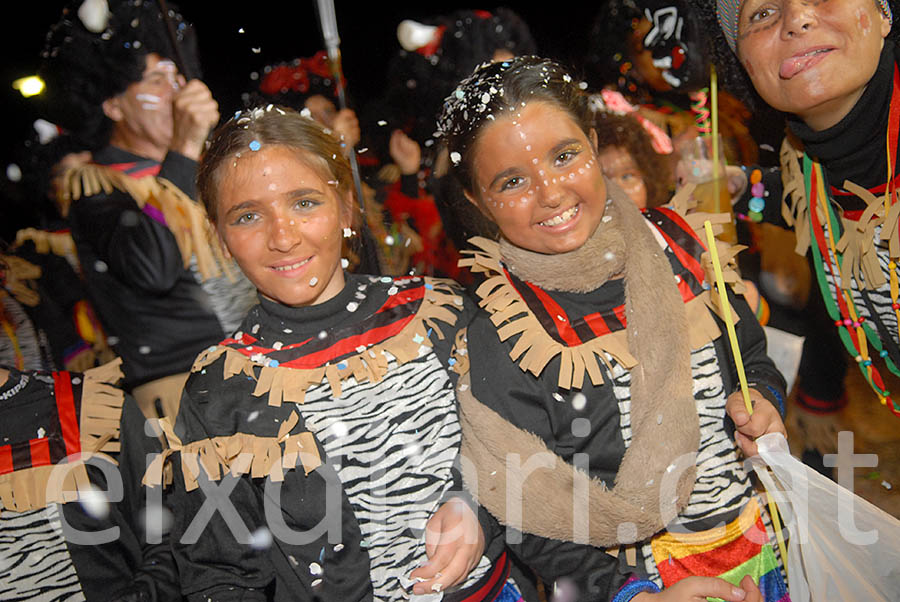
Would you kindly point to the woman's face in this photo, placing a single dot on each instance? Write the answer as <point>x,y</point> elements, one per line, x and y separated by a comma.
<point>537,178</point>
<point>282,222</point>
<point>812,58</point>
<point>619,167</point>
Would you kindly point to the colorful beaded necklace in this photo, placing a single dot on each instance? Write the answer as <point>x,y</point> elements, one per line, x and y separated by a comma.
<point>854,331</point>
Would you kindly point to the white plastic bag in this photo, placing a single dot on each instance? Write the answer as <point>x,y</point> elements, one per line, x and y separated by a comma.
<point>841,547</point>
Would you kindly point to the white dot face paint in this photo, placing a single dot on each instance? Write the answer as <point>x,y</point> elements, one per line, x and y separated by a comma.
<point>516,161</point>
<point>273,186</point>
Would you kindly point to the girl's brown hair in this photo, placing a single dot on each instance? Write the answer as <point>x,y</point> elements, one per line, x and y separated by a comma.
<point>273,125</point>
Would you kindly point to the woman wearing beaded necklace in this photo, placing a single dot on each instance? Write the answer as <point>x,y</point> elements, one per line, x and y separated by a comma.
<point>832,68</point>
<point>597,347</point>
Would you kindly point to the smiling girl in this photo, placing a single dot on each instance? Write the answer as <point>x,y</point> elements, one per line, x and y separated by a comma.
<point>329,419</point>
<point>597,349</point>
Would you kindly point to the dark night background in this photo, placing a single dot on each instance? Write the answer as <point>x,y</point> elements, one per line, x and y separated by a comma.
<point>281,31</point>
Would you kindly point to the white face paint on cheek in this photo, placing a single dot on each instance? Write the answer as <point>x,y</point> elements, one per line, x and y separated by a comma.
<point>863,23</point>
<point>273,186</point>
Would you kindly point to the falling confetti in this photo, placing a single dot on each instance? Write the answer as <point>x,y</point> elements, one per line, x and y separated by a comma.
<point>579,402</point>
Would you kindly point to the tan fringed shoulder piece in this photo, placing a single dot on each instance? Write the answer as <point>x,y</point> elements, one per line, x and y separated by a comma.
<point>535,348</point>
<point>237,454</point>
<point>17,273</point>
<point>283,384</point>
<point>243,453</point>
<point>45,242</point>
<point>795,205</point>
<point>460,353</point>
<point>858,240</point>
<point>101,413</point>
<point>186,219</point>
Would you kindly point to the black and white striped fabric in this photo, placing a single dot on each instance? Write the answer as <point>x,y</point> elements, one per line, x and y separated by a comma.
<point>393,444</point>
<point>28,339</point>
<point>35,564</point>
<point>880,298</point>
<point>722,487</point>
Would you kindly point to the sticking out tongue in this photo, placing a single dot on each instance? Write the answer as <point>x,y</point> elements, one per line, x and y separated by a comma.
<point>794,65</point>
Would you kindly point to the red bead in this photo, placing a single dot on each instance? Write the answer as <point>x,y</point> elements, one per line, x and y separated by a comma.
<point>895,306</point>
<point>838,322</point>
<point>861,319</point>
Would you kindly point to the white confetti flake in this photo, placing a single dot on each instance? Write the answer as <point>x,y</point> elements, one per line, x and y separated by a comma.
<point>345,263</point>
<point>558,397</point>
<point>261,539</point>
<point>94,502</point>
<point>100,266</point>
<point>313,281</point>
<point>382,122</point>
<point>252,415</point>
<point>339,547</point>
<point>455,157</point>
<point>41,433</point>
<point>316,582</point>
<point>315,569</point>
<point>886,485</point>
<point>352,306</point>
<point>579,402</point>
<point>322,335</point>
<point>144,349</point>
<point>13,172</point>
<point>393,290</point>
<point>277,345</point>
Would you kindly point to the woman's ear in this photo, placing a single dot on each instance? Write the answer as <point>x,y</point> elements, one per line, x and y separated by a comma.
<point>885,26</point>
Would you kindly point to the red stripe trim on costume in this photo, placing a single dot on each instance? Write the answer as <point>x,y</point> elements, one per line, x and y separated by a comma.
<point>347,346</point>
<point>686,259</point>
<point>65,407</point>
<point>6,459</point>
<point>560,318</point>
<point>40,452</point>
<point>402,298</point>
<point>501,569</point>
<point>597,324</point>
<point>714,562</point>
<point>620,313</point>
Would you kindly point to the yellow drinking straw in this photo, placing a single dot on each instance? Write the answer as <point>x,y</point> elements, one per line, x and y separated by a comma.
<point>739,363</point>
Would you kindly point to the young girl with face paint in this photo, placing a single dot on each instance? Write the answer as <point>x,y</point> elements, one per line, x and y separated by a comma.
<point>597,347</point>
<point>831,66</point>
<point>329,419</point>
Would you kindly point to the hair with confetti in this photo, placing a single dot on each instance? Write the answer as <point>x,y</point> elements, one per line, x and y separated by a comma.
<point>271,125</point>
<point>496,89</point>
<point>84,67</point>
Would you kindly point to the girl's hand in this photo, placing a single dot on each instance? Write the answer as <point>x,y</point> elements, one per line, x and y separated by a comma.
<point>698,589</point>
<point>454,544</point>
<point>765,419</point>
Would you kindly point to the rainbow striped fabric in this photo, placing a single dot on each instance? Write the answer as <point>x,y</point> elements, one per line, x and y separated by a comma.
<point>730,552</point>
